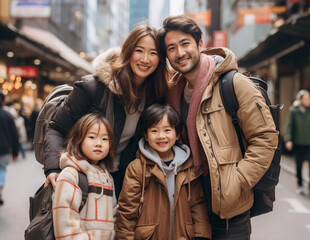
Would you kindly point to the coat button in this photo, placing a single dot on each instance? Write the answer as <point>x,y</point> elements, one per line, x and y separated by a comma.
<point>206,109</point>
<point>220,105</point>
<point>204,134</point>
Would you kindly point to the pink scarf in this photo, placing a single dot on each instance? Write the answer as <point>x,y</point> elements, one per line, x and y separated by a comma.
<point>174,98</point>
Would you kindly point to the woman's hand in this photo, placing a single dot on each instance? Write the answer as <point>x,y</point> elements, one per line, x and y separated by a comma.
<point>51,178</point>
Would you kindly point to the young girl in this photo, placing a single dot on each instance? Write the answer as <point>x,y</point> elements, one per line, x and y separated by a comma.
<point>162,197</point>
<point>89,150</point>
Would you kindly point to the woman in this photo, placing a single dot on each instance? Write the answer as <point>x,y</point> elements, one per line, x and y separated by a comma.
<point>132,78</point>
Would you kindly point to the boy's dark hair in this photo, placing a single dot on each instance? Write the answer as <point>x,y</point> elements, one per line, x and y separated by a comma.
<point>177,23</point>
<point>155,113</point>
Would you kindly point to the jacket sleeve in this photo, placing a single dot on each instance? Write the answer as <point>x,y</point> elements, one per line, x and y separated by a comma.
<point>289,126</point>
<point>202,227</point>
<point>259,130</point>
<point>76,105</point>
<point>66,203</point>
<point>129,202</point>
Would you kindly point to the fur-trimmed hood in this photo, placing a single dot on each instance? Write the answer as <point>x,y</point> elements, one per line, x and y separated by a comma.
<point>102,65</point>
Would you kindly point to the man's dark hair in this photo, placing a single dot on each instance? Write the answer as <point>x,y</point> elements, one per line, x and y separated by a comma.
<point>177,23</point>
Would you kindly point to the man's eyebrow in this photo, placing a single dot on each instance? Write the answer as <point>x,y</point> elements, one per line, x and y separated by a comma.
<point>182,40</point>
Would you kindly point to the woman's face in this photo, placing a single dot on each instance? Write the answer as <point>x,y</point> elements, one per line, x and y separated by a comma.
<point>144,59</point>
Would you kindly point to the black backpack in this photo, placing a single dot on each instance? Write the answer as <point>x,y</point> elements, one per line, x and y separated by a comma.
<point>55,99</point>
<point>264,190</point>
<point>41,213</point>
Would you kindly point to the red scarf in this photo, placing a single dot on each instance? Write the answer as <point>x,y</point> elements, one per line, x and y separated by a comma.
<point>174,98</point>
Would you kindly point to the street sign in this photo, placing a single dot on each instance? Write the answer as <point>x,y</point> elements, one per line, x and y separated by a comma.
<point>22,71</point>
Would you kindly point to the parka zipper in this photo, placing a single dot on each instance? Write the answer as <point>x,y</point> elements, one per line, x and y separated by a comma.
<point>212,129</point>
<point>217,161</point>
<point>260,109</point>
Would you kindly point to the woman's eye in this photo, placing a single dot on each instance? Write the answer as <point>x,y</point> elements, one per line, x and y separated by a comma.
<point>139,50</point>
<point>154,53</point>
<point>105,139</point>
<point>91,137</point>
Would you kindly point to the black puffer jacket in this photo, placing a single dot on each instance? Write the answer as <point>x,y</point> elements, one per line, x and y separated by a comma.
<point>84,99</point>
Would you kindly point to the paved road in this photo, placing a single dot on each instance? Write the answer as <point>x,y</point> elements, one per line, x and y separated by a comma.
<point>289,220</point>
<point>23,179</point>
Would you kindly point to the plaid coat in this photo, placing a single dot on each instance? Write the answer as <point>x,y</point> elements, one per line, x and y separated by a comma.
<point>96,219</point>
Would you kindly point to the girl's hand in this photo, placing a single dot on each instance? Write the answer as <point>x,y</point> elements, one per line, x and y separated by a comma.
<point>51,178</point>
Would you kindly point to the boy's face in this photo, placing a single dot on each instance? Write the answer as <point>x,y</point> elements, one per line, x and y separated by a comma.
<point>161,137</point>
<point>182,51</point>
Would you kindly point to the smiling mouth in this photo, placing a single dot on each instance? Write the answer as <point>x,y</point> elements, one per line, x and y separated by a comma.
<point>183,61</point>
<point>143,68</point>
<point>162,144</point>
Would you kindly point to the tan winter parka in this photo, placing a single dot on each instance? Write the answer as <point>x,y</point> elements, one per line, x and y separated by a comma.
<point>145,214</point>
<point>232,177</point>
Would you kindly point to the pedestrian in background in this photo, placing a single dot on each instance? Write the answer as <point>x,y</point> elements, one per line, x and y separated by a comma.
<point>14,108</point>
<point>132,81</point>
<point>161,195</point>
<point>228,177</point>
<point>297,134</point>
<point>89,150</point>
<point>8,142</point>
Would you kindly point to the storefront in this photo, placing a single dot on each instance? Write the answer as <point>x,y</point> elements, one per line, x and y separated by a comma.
<point>283,59</point>
<point>33,61</point>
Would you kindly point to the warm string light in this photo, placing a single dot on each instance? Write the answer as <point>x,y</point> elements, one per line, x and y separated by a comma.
<point>7,85</point>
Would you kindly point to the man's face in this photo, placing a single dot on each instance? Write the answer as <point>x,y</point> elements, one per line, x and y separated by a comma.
<point>182,51</point>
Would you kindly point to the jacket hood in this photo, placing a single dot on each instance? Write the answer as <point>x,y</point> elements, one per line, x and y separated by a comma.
<point>102,64</point>
<point>225,59</point>
<point>181,154</point>
<point>81,165</point>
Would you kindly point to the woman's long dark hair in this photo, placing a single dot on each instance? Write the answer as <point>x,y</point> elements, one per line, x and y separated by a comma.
<point>155,84</point>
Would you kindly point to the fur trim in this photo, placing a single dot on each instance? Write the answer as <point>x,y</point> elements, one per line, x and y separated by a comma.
<point>102,64</point>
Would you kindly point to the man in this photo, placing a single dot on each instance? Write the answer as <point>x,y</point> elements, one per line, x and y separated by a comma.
<point>297,133</point>
<point>195,94</point>
<point>8,142</point>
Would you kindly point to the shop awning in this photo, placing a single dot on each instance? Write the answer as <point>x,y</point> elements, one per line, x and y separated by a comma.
<point>41,43</point>
<point>289,37</point>
<point>50,41</point>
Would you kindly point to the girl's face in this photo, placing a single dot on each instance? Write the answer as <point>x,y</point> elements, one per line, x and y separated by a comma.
<point>162,137</point>
<point>96,143</point>
<point>144,59</point>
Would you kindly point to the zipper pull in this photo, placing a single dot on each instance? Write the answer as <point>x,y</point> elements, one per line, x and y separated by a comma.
<point>257,104</point>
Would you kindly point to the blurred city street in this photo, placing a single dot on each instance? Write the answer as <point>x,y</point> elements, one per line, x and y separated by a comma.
<point>289,220</point>
<point>23,178</point>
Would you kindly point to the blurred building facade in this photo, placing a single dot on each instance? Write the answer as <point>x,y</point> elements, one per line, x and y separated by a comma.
<point>278,47</point>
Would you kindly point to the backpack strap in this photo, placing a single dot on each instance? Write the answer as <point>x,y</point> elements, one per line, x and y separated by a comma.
<point>83,184</point>
<point>231,103</point>
<point>102,97</point>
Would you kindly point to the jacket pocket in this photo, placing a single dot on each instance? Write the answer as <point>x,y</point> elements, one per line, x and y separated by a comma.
<point>189,230</point>
<point>145,231</point>
<point>230,186</point>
